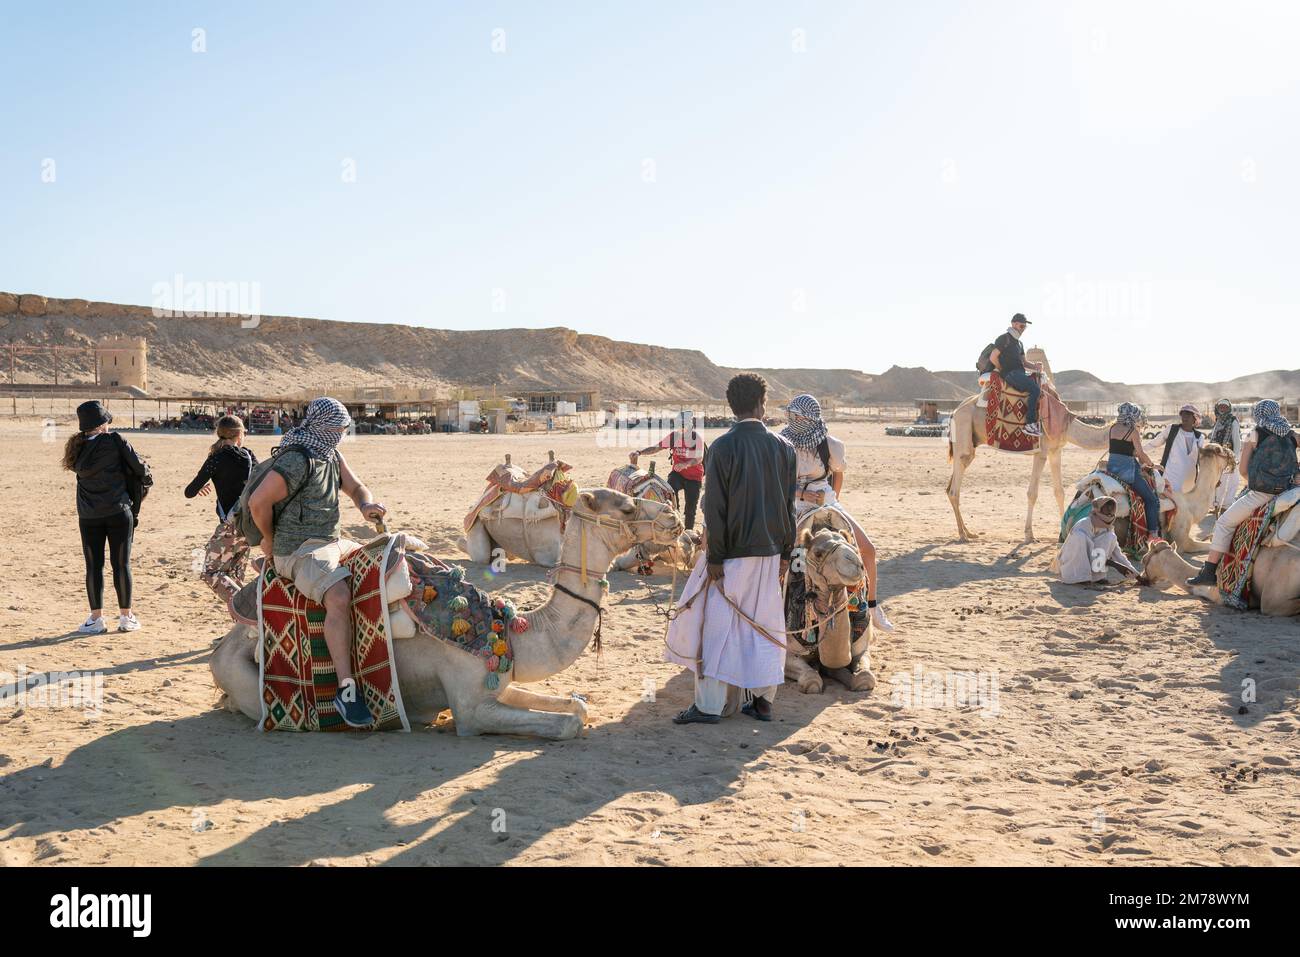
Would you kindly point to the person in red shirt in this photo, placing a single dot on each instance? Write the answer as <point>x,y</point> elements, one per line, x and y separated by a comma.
<point>686,448</point>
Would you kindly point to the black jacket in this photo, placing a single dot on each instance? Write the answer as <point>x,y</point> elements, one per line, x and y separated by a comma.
<point>101,470</point>
<point>228,469</point>
<point>749,494</point>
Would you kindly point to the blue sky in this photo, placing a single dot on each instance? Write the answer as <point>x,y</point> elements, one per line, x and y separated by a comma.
<point>820,184</point>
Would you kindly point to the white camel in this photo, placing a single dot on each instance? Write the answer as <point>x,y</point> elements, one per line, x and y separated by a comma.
<point>435,675</point>
<point>967,431</point>
<point>527,525</point>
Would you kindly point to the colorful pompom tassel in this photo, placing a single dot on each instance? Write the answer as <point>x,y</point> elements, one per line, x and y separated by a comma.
<point>505,664</point>
<point>492,682</point>
<point>519,625</point>
<point>459,627</point>
<point>500,648</point>
<point>498,626</point>
<point>459,603</point>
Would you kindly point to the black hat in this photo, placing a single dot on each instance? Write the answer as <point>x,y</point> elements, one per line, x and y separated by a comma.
<point>1020,317</point>
<point>91,415</point>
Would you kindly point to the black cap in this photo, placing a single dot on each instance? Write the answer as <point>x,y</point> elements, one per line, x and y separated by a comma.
<point>1020,317</point>
<point>91,415</point>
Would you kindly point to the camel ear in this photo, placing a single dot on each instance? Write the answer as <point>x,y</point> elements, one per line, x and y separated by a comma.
<point>848,536</point>
<point>588,500</point>
<point>806,538</point>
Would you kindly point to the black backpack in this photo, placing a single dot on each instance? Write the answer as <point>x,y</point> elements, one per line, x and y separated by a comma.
<point>1272,468</point>
<point>137,486</point>
<point>985,363</point>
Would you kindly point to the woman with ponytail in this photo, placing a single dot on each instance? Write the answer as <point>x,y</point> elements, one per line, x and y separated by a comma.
<point>227,466</point>
<point>104,462</point>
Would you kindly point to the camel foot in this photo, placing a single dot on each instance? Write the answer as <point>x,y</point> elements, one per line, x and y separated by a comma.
<point>863,680</point>
<point>811,684</point>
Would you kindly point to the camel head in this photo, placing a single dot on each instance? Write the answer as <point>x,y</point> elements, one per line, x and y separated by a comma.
<point>1163,567</point>
<point>831,559</point>
<point>622,521</point>
<point>1216,458</point>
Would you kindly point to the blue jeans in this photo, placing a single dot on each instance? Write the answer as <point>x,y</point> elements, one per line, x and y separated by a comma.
<point>1125,468</point>
<point>1022,380</point>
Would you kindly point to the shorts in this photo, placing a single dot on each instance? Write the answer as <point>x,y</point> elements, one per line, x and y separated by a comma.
<point>314,568</point>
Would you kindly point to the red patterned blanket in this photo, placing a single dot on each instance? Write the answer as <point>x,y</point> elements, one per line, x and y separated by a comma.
<point>1239,561</point>
<point>552,478</point>
<point>297,675</point>
<point>1008,408</point>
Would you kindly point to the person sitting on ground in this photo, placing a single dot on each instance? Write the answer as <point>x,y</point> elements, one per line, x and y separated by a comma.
<point>1270,466</point>
<point>227,466</point>
<point>686,449</point>
<point>1091,548</point>
<point>1126,453</point>
<point>1008,357</point>
<point>821,478</point>
<point>296,508</point>
<point>1226,432</point>
<point>1183,444</point>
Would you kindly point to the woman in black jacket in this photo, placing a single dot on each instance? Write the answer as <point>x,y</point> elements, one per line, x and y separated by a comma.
<point>228,466</point>
<point>102,461</point>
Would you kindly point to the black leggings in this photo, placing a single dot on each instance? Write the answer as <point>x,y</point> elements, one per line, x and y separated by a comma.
<point>118,530</point>
<point>692,489</point>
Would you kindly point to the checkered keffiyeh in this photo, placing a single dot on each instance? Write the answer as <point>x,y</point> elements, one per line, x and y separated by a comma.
<point>321,428</point>
<point>1268,415</point>
<point>806,428</point>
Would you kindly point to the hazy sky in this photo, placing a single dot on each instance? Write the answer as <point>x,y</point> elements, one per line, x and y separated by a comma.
<point>825,184</point>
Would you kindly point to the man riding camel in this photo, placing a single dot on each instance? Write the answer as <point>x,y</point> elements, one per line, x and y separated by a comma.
<point>1008,357</point>
<point>296,508</point>
<point>1270,466</point>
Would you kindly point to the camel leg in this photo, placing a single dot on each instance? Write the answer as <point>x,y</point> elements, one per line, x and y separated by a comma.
<point>959,465</point>
<point>494,717</point>
<point>518,697</point>
<point>1035,479</point>
<point>1054,456</point>
<point>234,670</point>
<point>477,544</point>
<point>805,675</point>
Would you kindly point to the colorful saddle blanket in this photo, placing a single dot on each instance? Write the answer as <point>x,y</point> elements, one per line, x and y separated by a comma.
<point>551,479</point>
<point>1238,562</point>
<point>1007,410</point>
<point>639,483</point>
<point>1128,505</point>
<point>448,608</point>
<point>297,676</point>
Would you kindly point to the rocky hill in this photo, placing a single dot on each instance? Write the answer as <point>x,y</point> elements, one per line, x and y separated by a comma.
<point>284,354</point>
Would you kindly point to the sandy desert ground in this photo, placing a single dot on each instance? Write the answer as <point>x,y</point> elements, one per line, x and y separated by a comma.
<point>1115,736</point>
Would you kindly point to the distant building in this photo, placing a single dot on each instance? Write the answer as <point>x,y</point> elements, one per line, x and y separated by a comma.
<point>560,401</point>
<point>122,362</point>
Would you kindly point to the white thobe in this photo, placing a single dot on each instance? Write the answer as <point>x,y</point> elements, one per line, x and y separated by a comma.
<point>1181,467</point>
<point>721,648</point>
<point>1227,490</point>
<point>1086,551</point>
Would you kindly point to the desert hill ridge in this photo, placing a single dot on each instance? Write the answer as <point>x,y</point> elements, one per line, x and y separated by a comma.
<point>204,354</point>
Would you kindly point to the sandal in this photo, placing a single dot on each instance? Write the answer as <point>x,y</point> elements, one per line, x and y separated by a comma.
<point>694,715</point>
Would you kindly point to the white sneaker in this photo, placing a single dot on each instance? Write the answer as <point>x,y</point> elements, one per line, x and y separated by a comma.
<point>93,626</point>
<point>881,620</point>
<point>128,622</point>
<point>1033,429</point>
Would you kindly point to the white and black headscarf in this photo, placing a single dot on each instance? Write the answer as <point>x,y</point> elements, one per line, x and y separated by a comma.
<point>1268,415</point>
<point>321,428</point>
<point>1222,422</point>
<point>805,428</point>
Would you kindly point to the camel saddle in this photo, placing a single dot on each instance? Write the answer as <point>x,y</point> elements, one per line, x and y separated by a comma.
<point>1100,482</point>
<point>639,483</point>
<point>509,488</point>
<point>1286,520</point>
<point>1006,410</point>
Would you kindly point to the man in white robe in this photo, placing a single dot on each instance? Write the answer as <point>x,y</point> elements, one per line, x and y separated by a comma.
<point>1182,449</point>
<point>730,630</point>
<point>1091,550</point>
